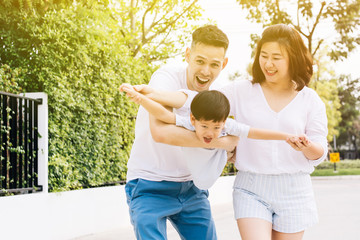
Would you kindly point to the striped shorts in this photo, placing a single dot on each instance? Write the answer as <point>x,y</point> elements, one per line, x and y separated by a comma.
<point>285,200</point>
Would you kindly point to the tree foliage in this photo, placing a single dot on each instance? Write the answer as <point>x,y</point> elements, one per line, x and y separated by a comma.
<point>306,16</point>
<point>156,30</point>
<point>80,63</point>
<point>349,93</point>
<point>79,54</point>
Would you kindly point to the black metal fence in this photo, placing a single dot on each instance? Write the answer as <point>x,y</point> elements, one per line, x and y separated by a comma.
<point>19,144</point>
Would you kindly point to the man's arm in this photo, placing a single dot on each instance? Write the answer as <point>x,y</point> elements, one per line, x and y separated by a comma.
<point>178,136</point>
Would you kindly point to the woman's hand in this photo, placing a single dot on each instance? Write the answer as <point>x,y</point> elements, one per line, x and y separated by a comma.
<point>311,150</point>
<point>299,143</point>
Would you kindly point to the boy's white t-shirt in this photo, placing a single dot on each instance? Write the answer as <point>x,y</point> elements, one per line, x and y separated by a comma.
<point>207,164</point>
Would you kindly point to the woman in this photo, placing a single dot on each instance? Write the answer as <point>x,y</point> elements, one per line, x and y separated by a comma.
<point>273,196</point>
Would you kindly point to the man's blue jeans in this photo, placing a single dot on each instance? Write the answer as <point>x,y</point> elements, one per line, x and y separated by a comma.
<point>186,206</point>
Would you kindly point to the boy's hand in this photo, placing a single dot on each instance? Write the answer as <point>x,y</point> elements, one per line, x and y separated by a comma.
<point>131,92</point>
<point>144,89</point>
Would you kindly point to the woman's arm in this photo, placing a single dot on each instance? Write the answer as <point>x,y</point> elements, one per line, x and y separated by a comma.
<point>311,150</point>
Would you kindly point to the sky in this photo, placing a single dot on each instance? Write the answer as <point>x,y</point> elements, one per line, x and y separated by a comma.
<point>230,18</point>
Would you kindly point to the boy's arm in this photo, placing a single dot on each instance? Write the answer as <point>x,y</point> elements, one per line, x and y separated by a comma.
<point>265,134</point>
<point>241,130</point>
<point>154,108</point>
<point>174,99</point>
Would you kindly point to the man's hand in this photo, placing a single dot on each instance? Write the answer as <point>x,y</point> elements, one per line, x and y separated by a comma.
<point>231,156</point>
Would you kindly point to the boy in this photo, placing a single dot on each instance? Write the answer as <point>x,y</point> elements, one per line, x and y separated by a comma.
<point>208,119</point>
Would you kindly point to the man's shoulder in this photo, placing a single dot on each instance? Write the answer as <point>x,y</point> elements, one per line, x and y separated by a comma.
<point>172,68</point>
<point>170,76</point>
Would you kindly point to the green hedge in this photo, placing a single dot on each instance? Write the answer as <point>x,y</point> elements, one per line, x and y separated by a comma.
<point>76,56</point>
<point>343,164</point>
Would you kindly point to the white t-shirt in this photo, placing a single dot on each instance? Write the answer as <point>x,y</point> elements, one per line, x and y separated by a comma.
<point>156,161</point>
<point>305,114</point>
<point>206,165</point>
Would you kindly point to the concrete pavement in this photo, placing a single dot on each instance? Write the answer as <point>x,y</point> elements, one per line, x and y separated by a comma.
<point>338,200</point>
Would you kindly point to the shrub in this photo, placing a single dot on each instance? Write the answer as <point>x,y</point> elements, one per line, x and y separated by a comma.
<point>76,56</point>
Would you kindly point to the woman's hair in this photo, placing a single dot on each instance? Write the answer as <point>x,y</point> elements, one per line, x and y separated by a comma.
<point>210,106</point>
<point>300,60</point>
<point>210,35</point>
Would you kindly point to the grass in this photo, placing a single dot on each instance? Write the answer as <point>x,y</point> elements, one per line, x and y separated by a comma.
<point>344,167</point>
<point>330,172</point>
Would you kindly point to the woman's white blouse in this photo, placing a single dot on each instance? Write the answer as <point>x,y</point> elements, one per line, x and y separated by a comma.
<point>305,114</point>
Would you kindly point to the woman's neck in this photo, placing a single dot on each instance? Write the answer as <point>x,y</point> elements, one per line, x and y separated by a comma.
<point>289,86</point>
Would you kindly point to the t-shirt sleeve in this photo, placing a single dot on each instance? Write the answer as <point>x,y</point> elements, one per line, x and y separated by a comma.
<point>316,127</point>
<point>190,96</point>
<point>235,128</point>
<point>164,79</point>
<point>184,121</point>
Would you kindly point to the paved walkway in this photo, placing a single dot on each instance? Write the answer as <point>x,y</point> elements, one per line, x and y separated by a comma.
<point>338,200</point>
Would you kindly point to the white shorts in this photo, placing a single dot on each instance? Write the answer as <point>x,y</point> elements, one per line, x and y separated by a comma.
<point>285,200</point>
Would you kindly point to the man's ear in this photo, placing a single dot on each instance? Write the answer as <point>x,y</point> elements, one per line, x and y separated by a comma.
<point>225,62</point>
<point>187,54</point>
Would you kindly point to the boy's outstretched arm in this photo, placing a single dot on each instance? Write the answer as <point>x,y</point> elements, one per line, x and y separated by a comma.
<point>174,99</point>
<point>154,108</point>
<point>265,134</point>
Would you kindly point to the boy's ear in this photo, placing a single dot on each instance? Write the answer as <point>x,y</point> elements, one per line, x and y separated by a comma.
<point>192,119</point>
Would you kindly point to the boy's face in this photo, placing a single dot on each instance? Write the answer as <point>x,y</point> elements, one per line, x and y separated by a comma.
<point>205,63</point>
<point>205,130</point>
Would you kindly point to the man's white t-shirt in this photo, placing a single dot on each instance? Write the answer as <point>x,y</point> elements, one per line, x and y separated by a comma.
<point>156,161</point>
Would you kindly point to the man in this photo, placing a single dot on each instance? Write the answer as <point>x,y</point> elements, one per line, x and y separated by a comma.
<point>159,184</point>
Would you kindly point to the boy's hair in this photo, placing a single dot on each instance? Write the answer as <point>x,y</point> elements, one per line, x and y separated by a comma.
<point>210,105</point>
<point>300,60</point>
<point>210,35</point>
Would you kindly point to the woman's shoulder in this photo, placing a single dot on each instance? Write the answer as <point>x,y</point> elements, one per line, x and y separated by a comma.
<point>311,95</point>
<point>237,85</point>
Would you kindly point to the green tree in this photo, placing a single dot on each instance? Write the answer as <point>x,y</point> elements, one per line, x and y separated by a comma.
<point>42,6</point>
<point>156,30</point>
<point>306,18</point>
<point>79,56</point>
<point>349,94</point>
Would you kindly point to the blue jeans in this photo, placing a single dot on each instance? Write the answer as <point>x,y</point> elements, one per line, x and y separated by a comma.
<point>186,206</point>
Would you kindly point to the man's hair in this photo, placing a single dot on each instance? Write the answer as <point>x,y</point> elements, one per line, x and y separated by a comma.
<point>210,35</point>
<point>210,106</point>
<point>300,60</point>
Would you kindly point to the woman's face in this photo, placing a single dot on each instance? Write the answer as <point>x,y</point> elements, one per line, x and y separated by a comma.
<point>274,63</point>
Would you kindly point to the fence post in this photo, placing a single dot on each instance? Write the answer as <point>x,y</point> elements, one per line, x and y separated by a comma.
<point>43,139</point>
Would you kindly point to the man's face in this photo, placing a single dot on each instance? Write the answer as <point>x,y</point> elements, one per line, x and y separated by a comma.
<point>205,130</point>
<point>205,63</point>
